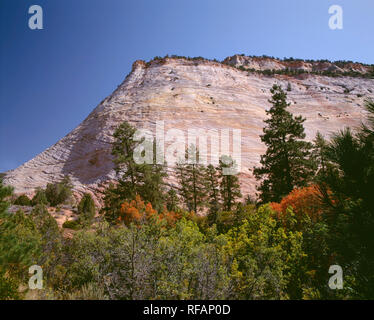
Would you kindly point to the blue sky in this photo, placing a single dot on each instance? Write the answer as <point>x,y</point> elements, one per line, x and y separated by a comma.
<point>51,79</point>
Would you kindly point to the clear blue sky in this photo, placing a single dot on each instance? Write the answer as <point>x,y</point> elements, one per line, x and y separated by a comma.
<point>51,79</point>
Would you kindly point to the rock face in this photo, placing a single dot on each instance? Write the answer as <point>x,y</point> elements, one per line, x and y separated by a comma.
<point>268,63</point>
<point>197,93</point>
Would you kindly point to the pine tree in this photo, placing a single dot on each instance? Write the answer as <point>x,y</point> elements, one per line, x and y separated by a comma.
<point>287,162</point>
<point>5,192</point>
<point>347,187</point>
<point>172,200</point>
<point>213,193</point>
<point>320,154</point>
<point>184,187</point>
<point>39,197</point>
<point>86,209</point>
<point>58,193</point>
<point>151,181</point>
<point>146,180</point>
<point>23,200</point>
<point>125,166</point>
<point>229,185</point>
<point>189,175</point>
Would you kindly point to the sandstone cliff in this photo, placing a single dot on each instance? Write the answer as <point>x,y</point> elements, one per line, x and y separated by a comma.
<point>197,93</point>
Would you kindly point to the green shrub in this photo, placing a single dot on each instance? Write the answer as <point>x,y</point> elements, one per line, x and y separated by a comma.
<point>71,224</point>
<point>22,200</point>
<point>39,198</point>
<point>58,193</point>
<point>8,288</point>
<point>86,209</point>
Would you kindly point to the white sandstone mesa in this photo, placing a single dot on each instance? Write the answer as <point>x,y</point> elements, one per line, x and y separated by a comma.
<point>198,94</point>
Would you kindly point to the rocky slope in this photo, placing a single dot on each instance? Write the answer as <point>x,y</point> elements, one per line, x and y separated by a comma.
<point>197,93</point>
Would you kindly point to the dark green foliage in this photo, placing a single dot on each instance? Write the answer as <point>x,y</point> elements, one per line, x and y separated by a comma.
<point>297,72</point>
<point>184,188</point>
<point>58,193</point>
<point>39,197</point>
<point>146,180</point>
<point>172,200</point>
<point>25,240</point>
<point>213,192</point>
<point>8,287</point>
<point>152,188</point>
<point>113,198</point>
<point>50,239</point>
<point>22,200</point>
<point>72,224</point>
<point>5,192</point>
<point>229,183</point>
<point>348,196</point>
<point>189,173</point>
<point>86,209</point>
<point>239,251</point>
<point>123,152</point>
<point>287,162</point>
<point>19,243</point>
<point>320,155</point>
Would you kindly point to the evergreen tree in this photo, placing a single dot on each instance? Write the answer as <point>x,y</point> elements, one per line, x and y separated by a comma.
<point>86,209</point>
<point>213,193</point>
<point>146,180</point>
<point>5,192</point>
<point>347,189</point>
<point>113,198</point>
<point>19,246</point>
<point>23,200</point>
<point>229,186</point>
<point>125,166</point>
<point>39,197</point>
<point>287,162</point>
<point>189,175</point>
<point>184,187</point>
<point>152,185</point>
<point>320,154</point>
<point>58,193</point>
<point>50,239</point>
<point>172,200</point>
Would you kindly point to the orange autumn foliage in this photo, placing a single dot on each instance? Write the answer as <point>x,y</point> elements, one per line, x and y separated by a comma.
<point>303,201</point>
<point>136,211</point>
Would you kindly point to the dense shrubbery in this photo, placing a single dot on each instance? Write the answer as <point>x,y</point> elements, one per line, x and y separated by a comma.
<point>58,193</point>
<point>86,210</point>
<point>72,224</point>
<point>86,214</point>
<point>22,200</point>
<point>149,243</point>
<point>39,198</point>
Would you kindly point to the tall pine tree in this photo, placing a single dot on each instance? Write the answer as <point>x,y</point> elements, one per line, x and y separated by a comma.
<point>189,175</point>
<point>213,193</point>
<point>229,183</point>
<point>320,155</point>
<point>146,180</point>
<point>287,162</point>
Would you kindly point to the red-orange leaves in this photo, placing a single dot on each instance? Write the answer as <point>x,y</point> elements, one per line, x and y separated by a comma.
<point>136,211</point>
<point>303,201</point>
<point>132,211</point>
